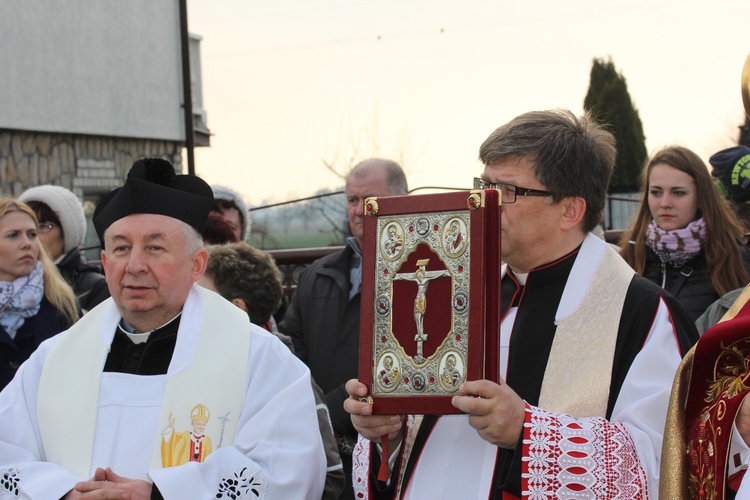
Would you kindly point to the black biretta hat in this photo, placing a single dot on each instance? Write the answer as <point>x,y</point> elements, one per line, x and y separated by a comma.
<point>152,187</point>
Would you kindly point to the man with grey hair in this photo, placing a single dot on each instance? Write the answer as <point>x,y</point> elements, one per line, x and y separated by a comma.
<point>103,409</point>
<point>323,317</point>
<point>588,349</point>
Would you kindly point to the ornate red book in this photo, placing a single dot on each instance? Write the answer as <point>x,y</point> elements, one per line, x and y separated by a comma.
<point>430,315</point>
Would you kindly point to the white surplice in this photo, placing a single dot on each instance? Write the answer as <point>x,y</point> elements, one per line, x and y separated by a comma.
<point>636,425</point>
<point>276,451</point>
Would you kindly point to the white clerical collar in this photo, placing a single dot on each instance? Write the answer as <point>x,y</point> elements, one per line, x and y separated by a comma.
<point>521,278</point>
<point>140,337</point>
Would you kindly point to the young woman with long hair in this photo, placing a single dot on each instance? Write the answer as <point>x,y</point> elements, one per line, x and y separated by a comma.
<point>35,301</point>
<point>685,237</point>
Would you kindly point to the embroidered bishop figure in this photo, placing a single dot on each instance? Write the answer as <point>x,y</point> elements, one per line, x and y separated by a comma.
<point>187,446</point>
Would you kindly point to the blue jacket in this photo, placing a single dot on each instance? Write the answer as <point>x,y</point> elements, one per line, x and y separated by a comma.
<point>35,330</point>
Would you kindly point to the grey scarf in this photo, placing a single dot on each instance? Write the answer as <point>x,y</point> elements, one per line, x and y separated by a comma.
<point>20,299</point>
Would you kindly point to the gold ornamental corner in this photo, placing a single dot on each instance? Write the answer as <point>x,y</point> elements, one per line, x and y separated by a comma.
<point>371,206</point>
<point>746,86</point>
<point>475,200</point>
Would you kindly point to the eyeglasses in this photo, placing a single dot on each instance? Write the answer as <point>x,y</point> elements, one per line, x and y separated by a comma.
<point>46,227</point>
<point>509,191</point>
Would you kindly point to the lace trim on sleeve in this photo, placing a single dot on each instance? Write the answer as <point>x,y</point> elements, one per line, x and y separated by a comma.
<point>566,457</point>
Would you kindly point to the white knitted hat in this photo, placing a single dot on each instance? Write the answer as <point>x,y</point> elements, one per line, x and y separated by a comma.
<point>68,209</point>
<point>229,194</point>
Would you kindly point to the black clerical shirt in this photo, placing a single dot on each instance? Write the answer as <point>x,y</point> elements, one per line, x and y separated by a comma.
<point>147,358</point>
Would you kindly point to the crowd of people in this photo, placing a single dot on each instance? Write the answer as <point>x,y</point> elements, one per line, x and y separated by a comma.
<point>177,369</point>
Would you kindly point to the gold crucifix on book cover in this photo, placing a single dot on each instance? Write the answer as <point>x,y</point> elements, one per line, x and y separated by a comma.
<point>430,297</point>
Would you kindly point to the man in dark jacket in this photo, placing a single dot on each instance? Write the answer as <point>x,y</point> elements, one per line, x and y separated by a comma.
<point>323,318</point>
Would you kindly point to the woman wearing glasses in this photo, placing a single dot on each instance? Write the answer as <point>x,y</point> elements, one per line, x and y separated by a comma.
<point>35,301</point>
<point>62,230</point>
<point>684,236</point>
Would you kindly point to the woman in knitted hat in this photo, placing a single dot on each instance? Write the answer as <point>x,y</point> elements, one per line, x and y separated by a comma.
<point>229,203</point>
<point>685,237</point>
<point>35,302</point>
<point>62,229</point>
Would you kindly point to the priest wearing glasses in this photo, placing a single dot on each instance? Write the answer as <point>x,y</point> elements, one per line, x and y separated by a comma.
<point>588,349</point>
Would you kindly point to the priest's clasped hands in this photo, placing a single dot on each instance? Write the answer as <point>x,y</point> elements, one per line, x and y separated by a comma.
<point>106,485</point>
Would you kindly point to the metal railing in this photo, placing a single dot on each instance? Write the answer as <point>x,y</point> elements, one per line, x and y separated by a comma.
<point>292,261</point>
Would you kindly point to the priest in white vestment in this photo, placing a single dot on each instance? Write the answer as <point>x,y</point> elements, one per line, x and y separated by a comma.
<point>90,412</point>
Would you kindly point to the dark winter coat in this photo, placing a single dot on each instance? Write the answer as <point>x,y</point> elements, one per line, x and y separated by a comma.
<point>324,326</point>
<point>690,284</point>
<point>89,284</point>
<point>47,323</point>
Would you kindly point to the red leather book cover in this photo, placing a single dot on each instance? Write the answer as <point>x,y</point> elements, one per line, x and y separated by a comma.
<point>430,315</point>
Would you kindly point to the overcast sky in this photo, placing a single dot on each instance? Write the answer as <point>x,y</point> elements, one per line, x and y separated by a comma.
<point>290,84</point>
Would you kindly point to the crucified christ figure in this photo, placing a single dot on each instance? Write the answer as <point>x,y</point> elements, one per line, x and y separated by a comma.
<point>422,277</point>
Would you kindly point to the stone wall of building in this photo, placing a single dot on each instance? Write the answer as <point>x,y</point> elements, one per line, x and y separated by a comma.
<point>88,165</point>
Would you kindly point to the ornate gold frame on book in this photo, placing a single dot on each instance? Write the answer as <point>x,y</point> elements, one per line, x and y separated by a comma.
<point>430,298</point>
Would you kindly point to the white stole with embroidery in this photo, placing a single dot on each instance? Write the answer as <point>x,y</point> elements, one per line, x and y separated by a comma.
<point>208,367</point>
<point>579,368</point>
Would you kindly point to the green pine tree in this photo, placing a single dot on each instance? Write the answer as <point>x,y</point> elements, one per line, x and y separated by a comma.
<point>609,102</point>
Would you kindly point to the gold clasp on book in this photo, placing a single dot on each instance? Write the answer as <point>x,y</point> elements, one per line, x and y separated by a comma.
<point>371,206</point>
